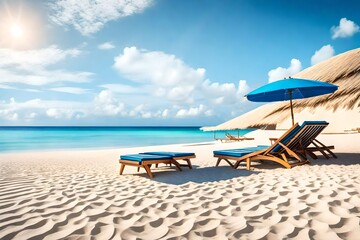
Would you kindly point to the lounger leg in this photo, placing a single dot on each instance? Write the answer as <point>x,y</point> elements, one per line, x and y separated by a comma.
<point>322,151</point>
<point>232,165</point>
<point>312,155</point>
<point>122,166</point>
<point>157,165</point>
<point>333,154</point>
<point>237,164</point>
<point>188,162</point>
<point>218,162</point>
<point>248,164</point>
<point>325,148</point>
<point>176,165</point>
<point>147,169</point>
<point>138,169</point>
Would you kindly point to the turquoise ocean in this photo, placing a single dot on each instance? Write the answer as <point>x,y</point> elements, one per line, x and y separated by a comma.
<point>15,139</point>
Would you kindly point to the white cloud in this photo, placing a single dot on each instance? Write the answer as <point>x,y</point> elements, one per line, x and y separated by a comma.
<point>38,58</point>
<point>31,90</point>
<point>122,88</point>
<point>106,46</point>
<point>30,116</point>
<point>142,112</point>
<point>170,80</point>
<point>165,113</point>
<point>224,93</point>
<point>90,16</point>
<point>322,54</point>
<point>63,113</point>
<point>156,67</point>
<point>4,86</point>
<point>72,90</point>
<point>180,93</point>
<point>281,73</point>
<point>29,110</point>
<point>243,88</point>
<point>43,77</point>
<point>346,28</point>
<point>9,115</point>
<point>106,103</point>
<point>170,76</point>
<point>194,112</point>
<point>220,93</point>
<point>31,66</point>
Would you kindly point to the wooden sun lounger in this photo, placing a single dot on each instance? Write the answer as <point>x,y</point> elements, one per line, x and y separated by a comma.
<point>145,161</point>
<point>307,137</point>
<point>293,144</point>
<point>183,156</point>
<point>278,152</point>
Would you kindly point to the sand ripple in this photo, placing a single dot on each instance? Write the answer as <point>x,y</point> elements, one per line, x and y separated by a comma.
<point>57,201</point>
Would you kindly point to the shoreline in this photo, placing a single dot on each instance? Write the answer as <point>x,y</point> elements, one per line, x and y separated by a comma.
<point>80,194</point>
<point>98,148</point>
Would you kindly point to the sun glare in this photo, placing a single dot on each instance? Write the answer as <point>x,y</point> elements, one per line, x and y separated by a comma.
<point>16,31</point>
<point>20,25</point>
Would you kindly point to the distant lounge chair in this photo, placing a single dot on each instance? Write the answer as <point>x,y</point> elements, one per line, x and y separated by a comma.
<point>230,138</point>
<point>147,159</point>
<point>293,144</point>
<point>353,130</point>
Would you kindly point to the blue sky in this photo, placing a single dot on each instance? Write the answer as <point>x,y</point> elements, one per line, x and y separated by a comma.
<point>157,62</point>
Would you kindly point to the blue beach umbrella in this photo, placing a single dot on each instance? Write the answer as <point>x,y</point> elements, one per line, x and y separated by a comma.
<point>290,89</point>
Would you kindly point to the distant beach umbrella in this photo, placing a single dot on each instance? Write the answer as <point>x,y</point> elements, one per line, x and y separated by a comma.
<point>289,89</point>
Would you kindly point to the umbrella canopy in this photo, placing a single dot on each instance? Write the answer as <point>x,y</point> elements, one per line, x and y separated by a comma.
<point>290,89</point>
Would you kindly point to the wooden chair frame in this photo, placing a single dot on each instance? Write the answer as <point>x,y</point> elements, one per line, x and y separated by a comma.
<point>146,164</point>
<point>282,157</point>
<point>306,137</point>
<point>297,148</point>
<point>184,158</point>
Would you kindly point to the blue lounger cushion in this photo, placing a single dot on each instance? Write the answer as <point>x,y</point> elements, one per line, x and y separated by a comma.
<point>142,157</point>
<point>314,122</point>
<point>239,152</point>
<point>171,154</point>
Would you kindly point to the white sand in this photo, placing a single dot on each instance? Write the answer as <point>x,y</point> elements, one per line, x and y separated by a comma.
<point>79,195</point>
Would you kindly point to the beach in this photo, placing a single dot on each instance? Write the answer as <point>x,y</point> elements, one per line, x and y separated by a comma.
<point>100,101</point>
<point>79,194</point>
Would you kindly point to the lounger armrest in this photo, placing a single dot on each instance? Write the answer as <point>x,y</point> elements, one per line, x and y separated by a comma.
<point>254,153</point>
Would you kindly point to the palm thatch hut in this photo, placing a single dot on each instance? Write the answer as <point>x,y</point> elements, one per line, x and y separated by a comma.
<point>341,109</point>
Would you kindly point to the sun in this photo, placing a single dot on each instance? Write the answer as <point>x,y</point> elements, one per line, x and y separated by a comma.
<point>20,25</point>
<point>16,31</point>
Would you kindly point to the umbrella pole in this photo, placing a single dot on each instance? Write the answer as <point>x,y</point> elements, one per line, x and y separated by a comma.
<point>291,107</point>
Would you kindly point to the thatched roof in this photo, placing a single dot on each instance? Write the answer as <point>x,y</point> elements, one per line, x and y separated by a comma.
<point>342,70</point>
